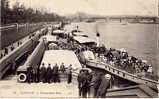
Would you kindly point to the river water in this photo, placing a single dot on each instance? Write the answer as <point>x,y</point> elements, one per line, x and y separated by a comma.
<point>139,40</point>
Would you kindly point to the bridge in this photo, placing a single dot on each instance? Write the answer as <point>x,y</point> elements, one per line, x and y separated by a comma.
<point>129,19</point>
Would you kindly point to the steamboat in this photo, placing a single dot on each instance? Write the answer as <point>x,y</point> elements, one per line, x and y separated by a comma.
<point>55,45</point>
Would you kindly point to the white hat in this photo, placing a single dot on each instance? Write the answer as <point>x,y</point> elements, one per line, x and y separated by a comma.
<point>107,76</point>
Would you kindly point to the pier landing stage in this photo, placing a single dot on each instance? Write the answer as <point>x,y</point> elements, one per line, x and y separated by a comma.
<point>11,88</point>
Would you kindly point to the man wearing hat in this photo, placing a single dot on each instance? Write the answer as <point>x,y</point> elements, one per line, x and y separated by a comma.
<point>96,84</point>
<point>49,73</point>
<point>80,79</point>
<point>55,74</point>
<point>35,73</point>
<point>105,84</point>
<point>69,73</point>
<point>43,73</point>
<point>62,68</point>
<point>30,74</point>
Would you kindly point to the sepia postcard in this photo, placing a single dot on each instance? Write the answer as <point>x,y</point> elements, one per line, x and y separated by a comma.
<point>79,49</point>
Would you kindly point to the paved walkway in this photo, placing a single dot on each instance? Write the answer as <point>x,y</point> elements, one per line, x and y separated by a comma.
<point>15,45</point>
<point>11,88</point>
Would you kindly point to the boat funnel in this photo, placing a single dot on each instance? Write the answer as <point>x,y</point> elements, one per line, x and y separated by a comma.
<point>98,39</point>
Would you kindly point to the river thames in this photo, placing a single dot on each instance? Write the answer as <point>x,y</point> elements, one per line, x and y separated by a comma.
<point>139,40</point>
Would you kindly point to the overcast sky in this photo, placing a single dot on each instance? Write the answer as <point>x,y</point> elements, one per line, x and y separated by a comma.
<point>100,7</point>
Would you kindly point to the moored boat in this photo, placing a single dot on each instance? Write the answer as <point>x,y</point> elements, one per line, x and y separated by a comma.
<point>99,61</point>
<point>102,61</point>
<point>82,53</point>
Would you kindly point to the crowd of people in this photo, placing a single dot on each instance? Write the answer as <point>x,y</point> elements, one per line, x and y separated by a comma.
<point>98,81</point>
<point>122,60</point>
<point>6,50</point>
<point>85,78</point>
<point>118,58</point>
<point>48,74</point>
<point>84,81</point>
<point>13,46</point>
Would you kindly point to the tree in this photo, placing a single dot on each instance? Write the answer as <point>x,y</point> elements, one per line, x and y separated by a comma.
<point>20,14</point>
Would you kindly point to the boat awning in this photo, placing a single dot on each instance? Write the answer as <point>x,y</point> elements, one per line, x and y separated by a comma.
<point>49,38</point>
<point>56,25</point>
<point>58,32</point>
<point>60,56</point>
<point>83,40</point>
<point>75,30</point>
<point>80,34</point>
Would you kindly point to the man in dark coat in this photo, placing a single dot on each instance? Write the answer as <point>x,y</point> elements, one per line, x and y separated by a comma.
<point>84,80</point>
<point>105,84</point>
<point>80,79</point>
<point>35,73</point>
<point>62,68</point>
<point>13,67</point>
<point>56,74</point>
<point>89,79</point>
<point>96,84</point>
<point>6,51</point>
<point>49,73</point>
<point>30,74</point>
<point>85,84</point>
<point>69,73</point>
<point>43,73</point>
<point>12,47</point>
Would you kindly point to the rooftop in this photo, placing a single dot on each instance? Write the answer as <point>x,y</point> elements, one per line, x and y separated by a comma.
<point>61,56</point>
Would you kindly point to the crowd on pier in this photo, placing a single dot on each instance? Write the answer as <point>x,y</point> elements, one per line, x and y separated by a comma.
<point>5,51</point>
<point>49,74</point>
<point>9,49</point>
<point>98,83</point>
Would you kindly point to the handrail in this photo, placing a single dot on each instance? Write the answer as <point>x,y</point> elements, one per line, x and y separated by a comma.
<point>132,74</point>
<point>9,58</point>
<point>135,76</point>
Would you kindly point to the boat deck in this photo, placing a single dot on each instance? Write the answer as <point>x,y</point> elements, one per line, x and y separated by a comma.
<point>123,74</point>
<point>131,71</point>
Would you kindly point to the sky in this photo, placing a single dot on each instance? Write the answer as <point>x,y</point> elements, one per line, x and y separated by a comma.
<point>98,7</point>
